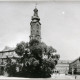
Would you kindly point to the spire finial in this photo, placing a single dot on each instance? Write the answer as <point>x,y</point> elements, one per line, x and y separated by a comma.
<point>36,5</point>
<point>36,10</point>
<point>35,15</point>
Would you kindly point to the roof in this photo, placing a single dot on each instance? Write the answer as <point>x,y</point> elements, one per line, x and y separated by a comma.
<point>8,52</point>
<point>75,60</point>
<point>64,61</point>
<point>8,48</point>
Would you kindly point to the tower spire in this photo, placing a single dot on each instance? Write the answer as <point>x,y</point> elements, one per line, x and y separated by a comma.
<point>36,12</point>
<point>35,15</point>
<point>36,5</point>
<point>35,26</point>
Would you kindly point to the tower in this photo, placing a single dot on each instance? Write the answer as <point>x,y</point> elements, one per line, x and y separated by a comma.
<point>35,26</point>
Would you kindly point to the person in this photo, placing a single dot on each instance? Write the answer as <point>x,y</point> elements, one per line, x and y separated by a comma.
<point>2,70</point>
<point>75,76</point>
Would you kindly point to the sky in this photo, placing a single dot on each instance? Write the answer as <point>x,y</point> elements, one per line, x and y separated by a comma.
<point>60,25</point>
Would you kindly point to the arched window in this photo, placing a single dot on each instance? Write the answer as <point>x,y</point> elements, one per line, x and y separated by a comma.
<point>37,26</point>
<point>37,32</point>
<point>31,32</point>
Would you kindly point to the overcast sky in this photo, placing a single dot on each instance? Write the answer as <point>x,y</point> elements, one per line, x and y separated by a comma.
<point>60,25</point>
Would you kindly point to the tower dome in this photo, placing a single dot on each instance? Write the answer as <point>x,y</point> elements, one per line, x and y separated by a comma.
<point>35,16</point>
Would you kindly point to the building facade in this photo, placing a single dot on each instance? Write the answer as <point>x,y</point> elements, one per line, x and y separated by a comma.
<point>74,66</point>
<point>7,53</point>
<point>62,67</point>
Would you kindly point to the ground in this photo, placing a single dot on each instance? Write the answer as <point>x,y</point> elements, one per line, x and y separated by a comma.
<point>63,76</point>
<point>54,76</point>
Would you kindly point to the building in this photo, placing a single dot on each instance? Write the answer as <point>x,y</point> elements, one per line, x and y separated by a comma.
<point>74,66</point>
<point>62,67</point>
<point>8,52</point>
<point>5,54</point>
<point>35,26</point>
<point>35,33</point>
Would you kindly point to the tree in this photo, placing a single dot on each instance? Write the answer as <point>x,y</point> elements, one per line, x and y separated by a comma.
<point>32,57</point>
<point>11,68</point>
<point>50,51</point>
<point>20,48</point>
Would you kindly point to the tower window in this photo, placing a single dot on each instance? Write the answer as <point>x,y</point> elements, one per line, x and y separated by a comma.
<point>31,26</point>
<point>37,25</point>
<point>37,31</point>
<point>31,31</point>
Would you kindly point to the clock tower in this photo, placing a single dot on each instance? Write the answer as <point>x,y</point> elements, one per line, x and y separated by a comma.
<point>35,32</point>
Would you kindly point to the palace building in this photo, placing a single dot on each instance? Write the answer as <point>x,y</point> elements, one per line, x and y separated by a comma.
<point>62,67</point>
<point>5,54</point>
<point>74,66</point>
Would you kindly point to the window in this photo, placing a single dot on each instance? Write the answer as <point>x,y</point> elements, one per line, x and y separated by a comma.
<point>37,32</point>
<point>31,32</point>
<point>37,26</point>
